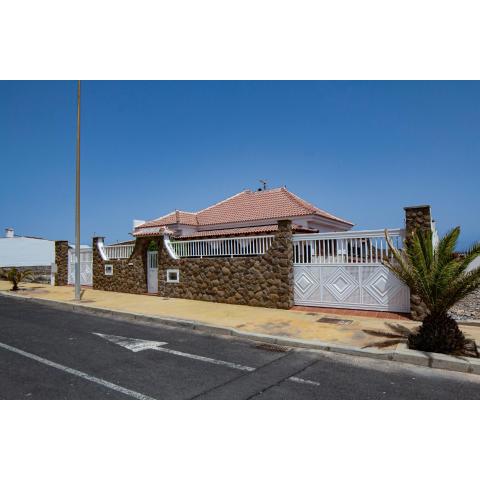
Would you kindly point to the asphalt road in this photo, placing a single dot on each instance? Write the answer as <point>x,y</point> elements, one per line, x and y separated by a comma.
<point>47,353</point>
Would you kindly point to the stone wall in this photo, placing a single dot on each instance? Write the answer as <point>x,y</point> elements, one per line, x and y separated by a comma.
<point>264,280</point>
<point>61,260</point>
<point>129,275</point>
<point>418,218</point>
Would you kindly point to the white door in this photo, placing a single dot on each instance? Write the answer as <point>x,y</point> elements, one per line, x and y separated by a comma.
<point>86,266</point>
<point>152,272</point>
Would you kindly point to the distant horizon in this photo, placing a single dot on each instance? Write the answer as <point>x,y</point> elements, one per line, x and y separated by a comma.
<point>359,150</point>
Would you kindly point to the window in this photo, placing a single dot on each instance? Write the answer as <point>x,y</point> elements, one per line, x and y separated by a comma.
<point>108,269</point>
<point>173,276</point>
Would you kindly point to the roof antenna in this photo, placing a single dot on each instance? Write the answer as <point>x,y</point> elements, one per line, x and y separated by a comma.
<point>264,184</point>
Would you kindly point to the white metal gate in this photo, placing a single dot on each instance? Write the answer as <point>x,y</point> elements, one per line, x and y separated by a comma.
<point>152,272</point>
<point>86,266</point>
<point>345,270</point>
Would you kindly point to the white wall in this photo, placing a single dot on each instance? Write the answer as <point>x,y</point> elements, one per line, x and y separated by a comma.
<point>26,252</point>
<point>474,264</point>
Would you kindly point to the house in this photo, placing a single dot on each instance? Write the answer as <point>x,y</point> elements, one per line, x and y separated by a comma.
<point>25,252</point>
<point>267,248</point>
<point>246,213</point>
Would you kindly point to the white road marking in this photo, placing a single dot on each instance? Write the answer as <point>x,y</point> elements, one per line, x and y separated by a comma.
<point>78,373</point>
<point>236,366</point>
<point>137,345</point>
<point>133,344</point>
<point>302,380</point>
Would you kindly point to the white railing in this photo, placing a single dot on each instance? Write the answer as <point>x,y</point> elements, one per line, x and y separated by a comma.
<point>223,247</point>
<point>118,251</point>
<point>360,247</point>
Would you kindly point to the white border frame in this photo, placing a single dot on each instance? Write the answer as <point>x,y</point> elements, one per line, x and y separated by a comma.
<point>173,270</point>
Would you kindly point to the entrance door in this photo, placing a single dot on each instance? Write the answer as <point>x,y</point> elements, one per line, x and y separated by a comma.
<point>152,272</point>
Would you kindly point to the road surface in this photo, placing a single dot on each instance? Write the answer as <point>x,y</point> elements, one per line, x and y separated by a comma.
<point>46,353</point>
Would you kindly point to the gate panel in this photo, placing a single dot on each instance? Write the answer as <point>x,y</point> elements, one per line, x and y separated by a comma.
<point>86,266</point>
<point>345,270</point>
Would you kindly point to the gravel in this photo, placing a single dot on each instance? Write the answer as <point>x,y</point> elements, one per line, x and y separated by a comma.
<point>468,309</point>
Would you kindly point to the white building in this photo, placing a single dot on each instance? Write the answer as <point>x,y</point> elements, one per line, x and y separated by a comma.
<point>20,251</point>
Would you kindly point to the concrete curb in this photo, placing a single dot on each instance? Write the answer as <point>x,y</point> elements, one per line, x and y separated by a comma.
<point>400,354</point>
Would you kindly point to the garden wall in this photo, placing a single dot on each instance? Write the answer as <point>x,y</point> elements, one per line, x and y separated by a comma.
<point>263,280</point>
<point>129,275</point>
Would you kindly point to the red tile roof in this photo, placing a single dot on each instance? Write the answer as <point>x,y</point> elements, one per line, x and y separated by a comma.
<point>246,206</point>
<point>183,218</point>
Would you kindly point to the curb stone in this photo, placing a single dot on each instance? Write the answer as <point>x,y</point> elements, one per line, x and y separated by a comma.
<point>401,354</point>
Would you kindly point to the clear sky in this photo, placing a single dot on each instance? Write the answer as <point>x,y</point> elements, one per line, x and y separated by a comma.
<point>361,150</point>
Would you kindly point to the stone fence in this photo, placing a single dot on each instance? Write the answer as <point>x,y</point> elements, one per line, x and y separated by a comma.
<point>260,280</point>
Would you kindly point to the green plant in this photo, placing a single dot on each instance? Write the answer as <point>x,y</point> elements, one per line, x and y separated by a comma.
<point>16,276</point>
<point>152,246</point>
<point>440,279</point>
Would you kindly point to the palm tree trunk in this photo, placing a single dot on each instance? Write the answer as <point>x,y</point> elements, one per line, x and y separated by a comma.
<point>438,334</point>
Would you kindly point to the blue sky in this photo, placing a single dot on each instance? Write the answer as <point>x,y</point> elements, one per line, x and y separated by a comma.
<point>361,150</point>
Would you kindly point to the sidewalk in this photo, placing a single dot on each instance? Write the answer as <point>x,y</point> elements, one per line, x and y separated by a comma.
<point>305,326</point>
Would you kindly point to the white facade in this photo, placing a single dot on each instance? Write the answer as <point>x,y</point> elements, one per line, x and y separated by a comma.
<point>316,222</point>
<point>26,252</point>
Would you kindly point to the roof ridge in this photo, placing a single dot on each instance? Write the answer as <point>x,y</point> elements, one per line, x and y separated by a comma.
<point>276,189</point>
<point>300,201</point>
<point>223,201</point>
<point>163,216</point>
<point>306,204</point>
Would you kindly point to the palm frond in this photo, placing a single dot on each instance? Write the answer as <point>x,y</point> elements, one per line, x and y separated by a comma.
<point>471,254</point>
<point>385,343</point>
<point>400,329</point>
<point>379,333</point>
<point>434,274</point>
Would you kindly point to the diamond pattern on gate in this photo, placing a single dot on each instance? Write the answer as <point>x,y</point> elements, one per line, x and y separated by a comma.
<point>382,285</point>
<point>341,284</point>
<point>305,283</point>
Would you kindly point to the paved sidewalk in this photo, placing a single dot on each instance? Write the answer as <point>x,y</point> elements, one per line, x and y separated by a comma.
<point>292,324</point>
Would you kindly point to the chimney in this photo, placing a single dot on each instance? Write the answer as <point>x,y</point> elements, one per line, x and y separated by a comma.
<point>9,232</point>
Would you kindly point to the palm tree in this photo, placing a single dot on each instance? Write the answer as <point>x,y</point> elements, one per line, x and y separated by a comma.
<point>16,276</point>
<point>440,279</point>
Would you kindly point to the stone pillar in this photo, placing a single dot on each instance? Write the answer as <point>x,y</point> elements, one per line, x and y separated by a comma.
<point>61,261</point>
<point>417,218</point>
<point>97,264</point>
<point>285,242</point>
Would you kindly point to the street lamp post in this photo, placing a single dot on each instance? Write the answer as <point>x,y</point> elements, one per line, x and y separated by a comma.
<point>77,202</point>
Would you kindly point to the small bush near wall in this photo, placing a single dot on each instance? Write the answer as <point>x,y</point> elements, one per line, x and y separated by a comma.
<point>40,274</point>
